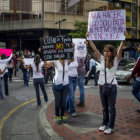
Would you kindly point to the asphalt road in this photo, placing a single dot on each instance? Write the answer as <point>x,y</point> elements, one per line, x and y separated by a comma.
<point>19,114</point>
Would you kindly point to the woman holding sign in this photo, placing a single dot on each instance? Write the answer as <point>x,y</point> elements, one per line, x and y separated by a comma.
<point>5,60</point>
<point>109,63</point>
<point>60,88</point>
<point>38,79</point>
<point>1,72</point>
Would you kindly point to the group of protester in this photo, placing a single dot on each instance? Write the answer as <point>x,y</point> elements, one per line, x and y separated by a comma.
<point>70,73</point>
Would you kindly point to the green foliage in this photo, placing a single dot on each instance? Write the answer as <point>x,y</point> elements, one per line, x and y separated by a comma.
<point>80,30</point>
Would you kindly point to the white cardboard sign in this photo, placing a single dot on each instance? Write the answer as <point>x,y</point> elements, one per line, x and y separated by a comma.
<point>80,47</point>
<point>28,61</point>
<point>107,25</point>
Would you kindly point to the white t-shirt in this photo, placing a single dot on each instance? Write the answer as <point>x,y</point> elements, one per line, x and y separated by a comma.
<point>109,72</point>
<point>2,67</point>
<point>5,62</point>
<point>58,78</point>
<point>72,72</point>
<point>37,74</point>
<point>91,63</point>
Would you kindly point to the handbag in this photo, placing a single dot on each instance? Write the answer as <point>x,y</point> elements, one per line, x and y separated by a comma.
<point>60,86</point>
<point>107,87</point>
<point>21,66</point>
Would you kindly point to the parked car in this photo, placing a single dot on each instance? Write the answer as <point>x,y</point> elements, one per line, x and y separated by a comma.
<point>125,61</point>
<point>123,74</point>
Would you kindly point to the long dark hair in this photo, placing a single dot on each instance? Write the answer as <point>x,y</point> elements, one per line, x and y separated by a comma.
<point>37,61</point>
<point>3,56</point>
<point>111,48</point>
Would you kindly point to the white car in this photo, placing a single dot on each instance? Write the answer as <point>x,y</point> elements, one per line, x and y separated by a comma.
<point>123,74</point>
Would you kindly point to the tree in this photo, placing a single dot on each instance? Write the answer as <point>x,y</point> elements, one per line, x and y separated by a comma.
<point>80,30</point>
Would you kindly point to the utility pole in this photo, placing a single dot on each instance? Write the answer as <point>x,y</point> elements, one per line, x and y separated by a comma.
<point>42,9</point>
<point>81,6</point>
<point>59,22</point>
<point>15,11</point>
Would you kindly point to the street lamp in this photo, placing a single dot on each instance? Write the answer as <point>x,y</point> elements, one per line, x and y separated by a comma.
<point>59,22</point>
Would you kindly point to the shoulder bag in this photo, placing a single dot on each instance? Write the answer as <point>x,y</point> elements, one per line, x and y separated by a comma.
<point>107,87</point>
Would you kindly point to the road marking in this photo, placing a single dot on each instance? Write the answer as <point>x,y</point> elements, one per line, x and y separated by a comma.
<point>10,113</point>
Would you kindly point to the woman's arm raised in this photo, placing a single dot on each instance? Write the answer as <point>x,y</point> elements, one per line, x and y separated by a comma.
<point>119,52</point>
<point>97,53</point>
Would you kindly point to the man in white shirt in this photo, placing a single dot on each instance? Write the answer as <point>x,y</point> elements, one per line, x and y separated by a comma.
<point>92,68</point>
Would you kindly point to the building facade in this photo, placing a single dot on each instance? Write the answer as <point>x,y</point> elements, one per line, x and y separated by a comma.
<point>23,22</point>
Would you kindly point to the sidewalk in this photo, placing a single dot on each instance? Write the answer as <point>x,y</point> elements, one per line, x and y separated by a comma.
<point>89,118</point>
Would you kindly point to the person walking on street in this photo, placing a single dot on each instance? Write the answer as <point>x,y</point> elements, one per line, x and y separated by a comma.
<point>38,79</point>
<point>92,69</point>
<point>136,84</point>
<point>109,61</point>
<point>10,67</point>
<point>81,74</point>
<point>15,64</point>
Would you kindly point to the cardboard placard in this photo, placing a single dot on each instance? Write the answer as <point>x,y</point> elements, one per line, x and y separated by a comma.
<point>107,25</point>
<point>57,48</point>
<point>7,52</point>
<point>80,47</point>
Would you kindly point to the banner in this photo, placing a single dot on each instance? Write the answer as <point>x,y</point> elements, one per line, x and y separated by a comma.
<point>56,48</point>
<point>28,61</point>
<point>6,51</point>
<point>107,25</point>
<point>80,47</point>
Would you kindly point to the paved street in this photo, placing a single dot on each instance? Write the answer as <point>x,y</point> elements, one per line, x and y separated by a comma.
<point>20,118</point>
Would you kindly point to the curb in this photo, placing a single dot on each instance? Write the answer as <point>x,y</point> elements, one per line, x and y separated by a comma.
<point>44,128</point>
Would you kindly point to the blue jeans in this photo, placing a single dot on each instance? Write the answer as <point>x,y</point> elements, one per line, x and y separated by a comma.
<point>70,103</point>
<point>40,82</point>
<point>5,77</point>
<point>81,87</point>
<point>136,90</point>
<point>25,77</point>
<point>109,110</point>
<point>60,100</point>
<point>1,95</point>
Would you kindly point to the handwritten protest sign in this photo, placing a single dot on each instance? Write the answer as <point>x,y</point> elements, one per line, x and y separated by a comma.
<point>107,25</point>
<point>7,52</point>
<point>56,48</point>
<point>28,61</point>
<point>80,47</point>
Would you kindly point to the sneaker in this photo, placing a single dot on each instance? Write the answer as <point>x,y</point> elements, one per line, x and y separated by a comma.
<point>108,131</point>
<point>74,115</point>
<point>58,120</point>
<point>81,104</point>
<point>64,119</point>
<point>102,128</point>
